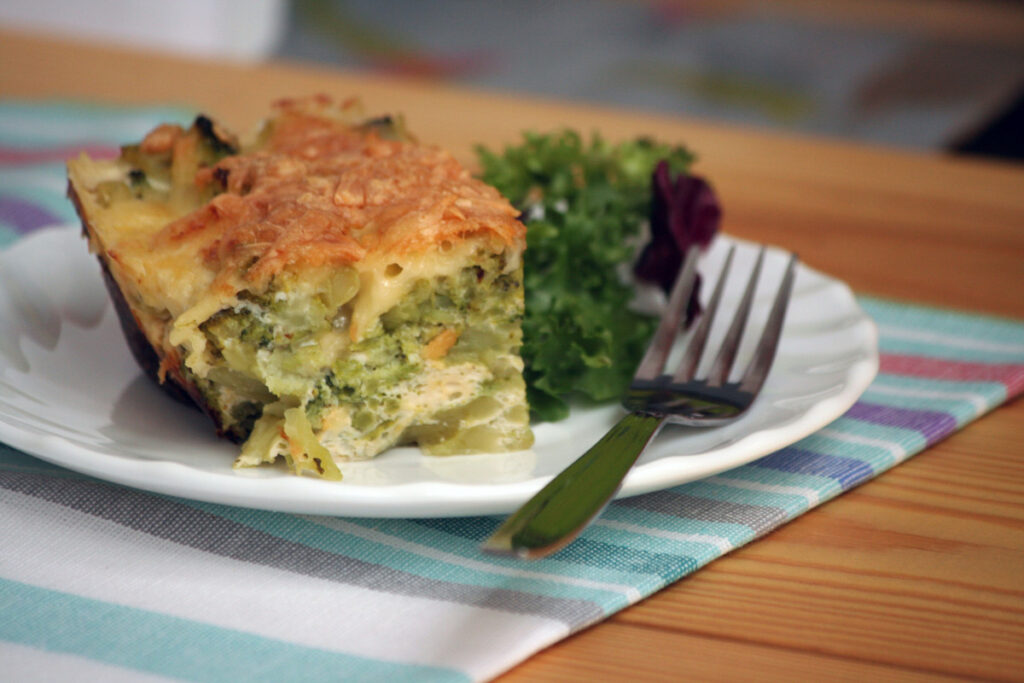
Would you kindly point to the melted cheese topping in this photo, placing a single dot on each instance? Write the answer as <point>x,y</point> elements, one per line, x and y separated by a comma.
<point>314,193</point>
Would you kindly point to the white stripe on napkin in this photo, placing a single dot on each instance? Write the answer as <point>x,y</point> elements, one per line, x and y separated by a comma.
<point>975,399</point>
<point>720,542</point>
<point>810,495</point>
<point>31,665</point>
<point>897,451</point>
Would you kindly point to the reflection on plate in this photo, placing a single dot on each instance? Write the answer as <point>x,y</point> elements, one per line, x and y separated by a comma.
<point>71,394</point>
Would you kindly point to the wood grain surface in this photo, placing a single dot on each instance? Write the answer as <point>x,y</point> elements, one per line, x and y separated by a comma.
<point>917,575</point>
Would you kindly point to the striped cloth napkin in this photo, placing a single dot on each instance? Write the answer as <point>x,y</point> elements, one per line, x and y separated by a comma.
<point>103,582</point>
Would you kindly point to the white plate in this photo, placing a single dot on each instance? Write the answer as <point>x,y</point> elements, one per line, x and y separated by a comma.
<point>70,393</point>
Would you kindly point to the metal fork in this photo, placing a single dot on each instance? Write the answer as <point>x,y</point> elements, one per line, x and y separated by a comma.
<point>570,501</point>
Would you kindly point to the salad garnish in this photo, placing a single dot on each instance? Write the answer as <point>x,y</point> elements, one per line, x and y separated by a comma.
<point>588,206</point>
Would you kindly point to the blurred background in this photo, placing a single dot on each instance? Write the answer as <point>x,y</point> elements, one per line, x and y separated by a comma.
<point>922,74</point>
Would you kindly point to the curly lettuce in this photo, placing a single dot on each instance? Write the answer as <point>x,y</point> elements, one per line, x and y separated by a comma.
<point>586,204</point>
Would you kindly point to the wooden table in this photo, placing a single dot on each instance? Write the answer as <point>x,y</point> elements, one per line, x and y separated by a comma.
<point>917,574</point>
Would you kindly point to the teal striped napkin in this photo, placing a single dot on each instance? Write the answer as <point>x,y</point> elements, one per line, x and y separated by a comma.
<point>102,582</point>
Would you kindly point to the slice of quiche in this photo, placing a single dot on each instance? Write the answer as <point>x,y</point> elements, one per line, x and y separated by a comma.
<point>329,290</point>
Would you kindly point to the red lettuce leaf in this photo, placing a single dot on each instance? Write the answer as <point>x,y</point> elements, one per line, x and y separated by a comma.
<point>685,213</point>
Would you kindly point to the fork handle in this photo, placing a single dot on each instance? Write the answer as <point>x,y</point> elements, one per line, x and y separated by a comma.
<point>562,509</point>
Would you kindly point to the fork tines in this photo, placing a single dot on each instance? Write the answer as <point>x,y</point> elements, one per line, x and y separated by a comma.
<point>652,367</point>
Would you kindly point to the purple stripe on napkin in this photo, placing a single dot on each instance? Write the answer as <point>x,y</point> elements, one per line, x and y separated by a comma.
<point>931,424</point>
<point>25,216</point>
<point>847,471</point>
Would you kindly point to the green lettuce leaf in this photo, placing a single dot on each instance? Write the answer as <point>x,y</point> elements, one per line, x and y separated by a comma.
<point>585,203</point>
